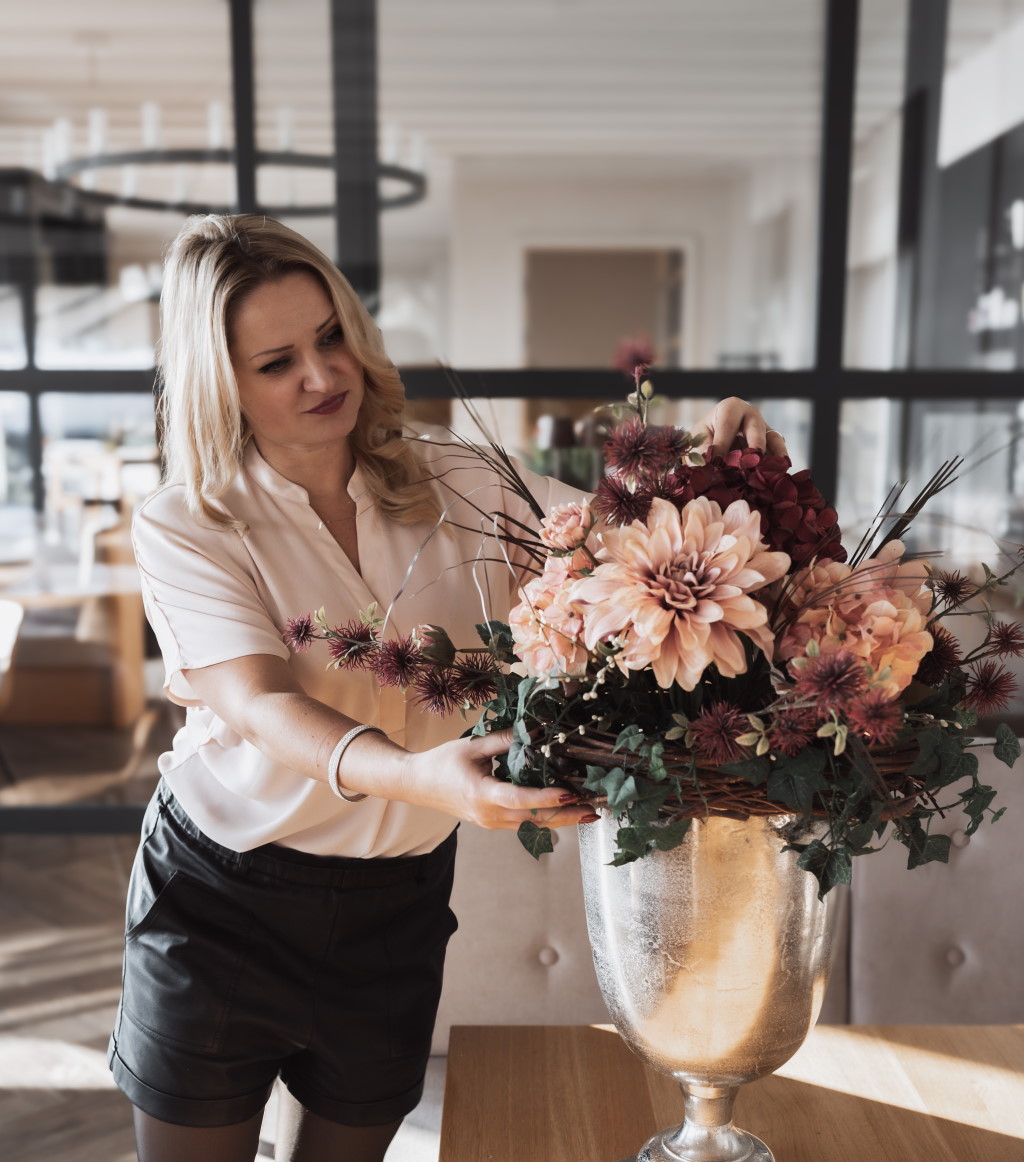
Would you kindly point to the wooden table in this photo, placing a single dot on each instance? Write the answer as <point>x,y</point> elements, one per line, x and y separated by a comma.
<point>851,1094</point>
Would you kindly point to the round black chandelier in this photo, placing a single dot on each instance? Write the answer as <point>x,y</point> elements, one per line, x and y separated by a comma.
<point>415,183</point>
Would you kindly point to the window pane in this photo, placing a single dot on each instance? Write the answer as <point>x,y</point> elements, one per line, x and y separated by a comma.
<point>935,268</point>
<point>294,112</point>
<point>602,132</point>
<point>141,80</point>
<point>99,457</point>
<point>17,524</point>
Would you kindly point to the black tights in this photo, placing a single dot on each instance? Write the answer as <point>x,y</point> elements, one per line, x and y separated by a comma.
<point>301,1137</point>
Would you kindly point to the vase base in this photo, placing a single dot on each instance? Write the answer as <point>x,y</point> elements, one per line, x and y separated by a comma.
<point>739,1147</point>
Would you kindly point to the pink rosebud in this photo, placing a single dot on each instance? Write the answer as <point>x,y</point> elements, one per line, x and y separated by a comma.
<point>565,528</point>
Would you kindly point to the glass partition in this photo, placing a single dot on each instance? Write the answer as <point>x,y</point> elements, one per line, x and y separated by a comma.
<point>598,152</point>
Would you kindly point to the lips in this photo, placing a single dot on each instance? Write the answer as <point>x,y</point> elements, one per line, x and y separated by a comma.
<point>329,406</point>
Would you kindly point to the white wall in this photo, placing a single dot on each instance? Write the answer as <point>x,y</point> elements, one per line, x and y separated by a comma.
<point>501,208</point>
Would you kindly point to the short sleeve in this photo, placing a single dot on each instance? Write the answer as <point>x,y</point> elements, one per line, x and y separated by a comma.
<point>199,591</point>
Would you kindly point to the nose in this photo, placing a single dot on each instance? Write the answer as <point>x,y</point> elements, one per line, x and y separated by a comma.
<point>317,375</point>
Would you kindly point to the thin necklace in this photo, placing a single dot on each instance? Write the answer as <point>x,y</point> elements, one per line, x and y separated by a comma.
<point>351,516</point>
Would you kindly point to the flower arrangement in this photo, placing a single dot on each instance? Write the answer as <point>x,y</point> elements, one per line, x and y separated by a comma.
<point>695,640</point>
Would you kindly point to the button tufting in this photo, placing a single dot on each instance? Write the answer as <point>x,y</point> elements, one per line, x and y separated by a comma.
<point>955,957</point>
<point>547,957</point>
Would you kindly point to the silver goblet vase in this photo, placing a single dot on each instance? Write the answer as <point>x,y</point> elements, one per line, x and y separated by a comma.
<point>713,960</point>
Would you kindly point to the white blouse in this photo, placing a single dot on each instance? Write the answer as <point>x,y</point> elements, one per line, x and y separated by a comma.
<point>214,595</point>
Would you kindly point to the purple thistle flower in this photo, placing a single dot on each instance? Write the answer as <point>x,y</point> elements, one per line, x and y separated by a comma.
<point>942,660</point>
<point>436,690</point>
<point>300,633</point>
<point>715,731</point>
<point>953,589</point>
<point>1007,638</point>
<point>831,681</point>
<point>352,646</point>
<point>877,716</point>
<point>475,678</point>
<point>990,687</point>
<point>397,662</point>
<point>637,451</point>
<point>793,731</point>
<point>618,504</point>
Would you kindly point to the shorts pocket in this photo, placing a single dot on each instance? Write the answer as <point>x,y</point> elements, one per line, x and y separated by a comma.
<point>182,960</point>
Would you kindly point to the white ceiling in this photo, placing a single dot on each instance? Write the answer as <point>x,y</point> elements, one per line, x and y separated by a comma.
<point>708,82</point>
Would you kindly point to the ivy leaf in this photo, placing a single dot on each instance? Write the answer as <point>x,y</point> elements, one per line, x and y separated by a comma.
<point>630,737</point>
<point>536,840</point>
<point>935,847</point>
<point>976,802</point>
<point>754,770</point>
<point>620,789</point>
<point>828,866</point>
<point>496,636</point>
<point>647,802</point>
<point>632,842</point>
<point>926,761</point>
<point>1007,745</point>
<point>795,781</point>
<point>671,835</point>
<point>655,764</point>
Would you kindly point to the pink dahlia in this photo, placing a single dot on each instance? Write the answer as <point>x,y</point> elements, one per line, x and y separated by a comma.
<point>674,591</point>
<point>546,625</point>
<point>878,611</point>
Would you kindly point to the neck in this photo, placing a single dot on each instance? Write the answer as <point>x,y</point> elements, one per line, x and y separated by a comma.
<point>323,472</point>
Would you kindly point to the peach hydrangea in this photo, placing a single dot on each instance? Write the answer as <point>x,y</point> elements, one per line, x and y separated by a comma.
<point>546,626</point>
<point>878,611</point>
<point>674,590</point>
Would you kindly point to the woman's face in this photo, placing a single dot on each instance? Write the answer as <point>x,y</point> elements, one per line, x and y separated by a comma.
<point>299,388</point>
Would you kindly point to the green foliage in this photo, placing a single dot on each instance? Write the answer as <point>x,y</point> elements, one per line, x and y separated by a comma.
<point>1007,746</point>
<point>536,840</point>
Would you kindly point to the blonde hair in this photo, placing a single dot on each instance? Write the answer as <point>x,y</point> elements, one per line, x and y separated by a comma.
<point>215,261</point>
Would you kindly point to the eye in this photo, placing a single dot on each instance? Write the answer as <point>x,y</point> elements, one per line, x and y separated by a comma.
<point>276,365</point>
<point>333,337</point>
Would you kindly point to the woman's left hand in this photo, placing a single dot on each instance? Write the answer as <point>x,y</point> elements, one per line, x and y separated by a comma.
<point>734,422</point>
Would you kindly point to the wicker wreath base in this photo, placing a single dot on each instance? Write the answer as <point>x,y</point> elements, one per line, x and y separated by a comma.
<point>716,793</point>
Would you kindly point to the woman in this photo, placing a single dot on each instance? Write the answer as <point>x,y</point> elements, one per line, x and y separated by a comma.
<point>288,908</point>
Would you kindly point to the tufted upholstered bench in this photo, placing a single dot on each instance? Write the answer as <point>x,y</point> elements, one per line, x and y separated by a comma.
<point>935,945</point>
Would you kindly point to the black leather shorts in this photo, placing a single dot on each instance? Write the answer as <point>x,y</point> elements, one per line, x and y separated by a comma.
<point>240,967</point>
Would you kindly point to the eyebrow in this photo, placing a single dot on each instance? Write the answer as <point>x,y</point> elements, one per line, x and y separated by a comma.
<point>288,346</point>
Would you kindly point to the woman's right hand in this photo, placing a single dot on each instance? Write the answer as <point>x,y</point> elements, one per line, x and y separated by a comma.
<point>456,778</point>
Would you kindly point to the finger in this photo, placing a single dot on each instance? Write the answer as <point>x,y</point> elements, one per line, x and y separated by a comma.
<point>727,420</point>
<point>488,745</point>
<point>776,443</point>
<point>755,431</point>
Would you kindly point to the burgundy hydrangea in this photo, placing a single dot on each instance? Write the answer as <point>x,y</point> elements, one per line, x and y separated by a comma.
<point>352,646</point>
<point>397,662</point>
<point>299,632</point>
<point>943,660</point>
<point>990,687</point>
<point>831,681</point>
<point>794,516</point>
<point>436,690</point>
<point>876,716</point>
<point>715,731</point>
<point>617,504</point>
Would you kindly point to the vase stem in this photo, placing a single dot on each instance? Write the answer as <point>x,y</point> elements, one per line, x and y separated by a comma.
<point>707,1133</point>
